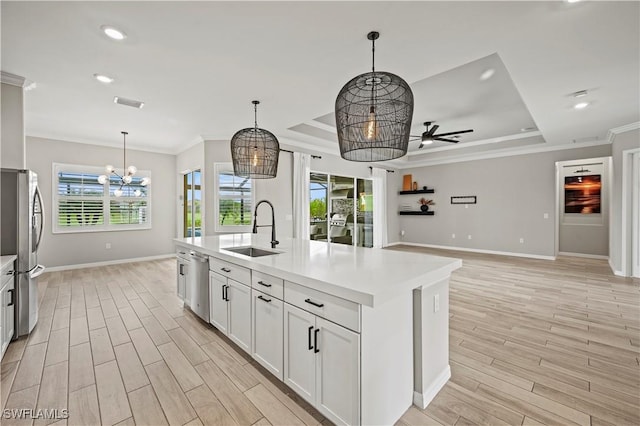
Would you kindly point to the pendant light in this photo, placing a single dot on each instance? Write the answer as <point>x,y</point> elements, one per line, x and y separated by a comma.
<point>127,174</point>
<point>255,151</point>
<point>373,115</point>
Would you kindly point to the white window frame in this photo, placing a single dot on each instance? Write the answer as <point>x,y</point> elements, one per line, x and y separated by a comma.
<point>106,198</point>
<point>228,168</point>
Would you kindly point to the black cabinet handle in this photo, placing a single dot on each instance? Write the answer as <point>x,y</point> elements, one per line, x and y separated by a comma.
<point>315,341</point>
<point>310,345</point>
<point>181,269</point>
<point>265,299</point>
<point>223,292</point>
<point>12,297</point>
<point>227,270</point>
<point>264,284</point>
<point>311,302</point>
<point>226,293</point>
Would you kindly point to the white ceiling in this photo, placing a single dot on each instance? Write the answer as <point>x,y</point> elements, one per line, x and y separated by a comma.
<point>198,65</point>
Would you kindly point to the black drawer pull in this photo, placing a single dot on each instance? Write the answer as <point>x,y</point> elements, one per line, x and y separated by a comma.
<point>311,302</point>
<point>227,270</point>
<point>264,284</point>
<point>265,299</point>
<point>223,292</point>
<point>310,345</point>
<point>12,297</point>
<point>315,341</point>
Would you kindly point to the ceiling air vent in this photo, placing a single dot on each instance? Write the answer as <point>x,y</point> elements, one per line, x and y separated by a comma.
<point>128,102</point>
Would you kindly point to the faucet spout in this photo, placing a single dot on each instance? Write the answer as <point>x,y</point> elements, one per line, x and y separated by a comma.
<point>274,242</point>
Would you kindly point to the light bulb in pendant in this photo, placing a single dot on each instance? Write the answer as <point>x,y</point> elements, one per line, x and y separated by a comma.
<point>255,157</point>
<point>371,127</point>
<point>102,179</point>
<point>118,192</point>
<point>127,179</point>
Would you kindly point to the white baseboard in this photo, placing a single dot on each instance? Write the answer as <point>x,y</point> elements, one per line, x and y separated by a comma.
<point>474,250</point>
<point>108,262</point>
<point>614,270</point>
<point>423,399</point>
<point>588,256</point>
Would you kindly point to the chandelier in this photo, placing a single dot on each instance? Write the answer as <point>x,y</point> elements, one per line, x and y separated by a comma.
<point>373,115</point>
<point>255,151</point>
<point>124,179</point>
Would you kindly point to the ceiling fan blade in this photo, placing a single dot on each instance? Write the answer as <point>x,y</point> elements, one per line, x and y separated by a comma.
<point>433,129</point>
<point>453,133</point>
<point>421,145</point>
<point>445,140</point>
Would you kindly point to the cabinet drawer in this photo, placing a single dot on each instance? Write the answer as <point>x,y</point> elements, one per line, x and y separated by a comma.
<point>268,284</point>
<point>340,311</point>
<point>230,270</point>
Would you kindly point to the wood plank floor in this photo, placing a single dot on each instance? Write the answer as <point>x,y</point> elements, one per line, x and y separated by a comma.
<point>532,342</point>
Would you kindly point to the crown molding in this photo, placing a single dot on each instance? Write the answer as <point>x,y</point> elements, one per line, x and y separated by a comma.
<point>500,153</point>
<point>12,79</point>
<point>130,147</point>
<point>611,134</point>
<point>195,141</point>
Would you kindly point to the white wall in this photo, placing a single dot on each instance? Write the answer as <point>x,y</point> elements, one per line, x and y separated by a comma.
<point>623,141</point>
<point>89,247</point>
<point>513,194</point>
<point>190,160</point>
<point>12,151</point>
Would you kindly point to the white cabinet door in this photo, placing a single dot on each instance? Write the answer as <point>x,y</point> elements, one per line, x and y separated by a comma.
<point>267,336</point>
<point>218,306</point>
<point>337,373</point>
<point>299,356</point>
<point>7,309</point>
<point>239,305</point>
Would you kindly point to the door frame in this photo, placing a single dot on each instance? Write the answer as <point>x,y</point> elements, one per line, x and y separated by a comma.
<point>630,213</point>
<point>608,171</point>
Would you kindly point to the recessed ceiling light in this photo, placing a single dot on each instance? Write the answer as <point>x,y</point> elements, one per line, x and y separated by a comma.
<point>573,1</point>
<point>581,105</point>
<point>580,93</point>
<point>487,74</point>
<point>103,78</point>
<point>128,102</point>
<point>113,33</point>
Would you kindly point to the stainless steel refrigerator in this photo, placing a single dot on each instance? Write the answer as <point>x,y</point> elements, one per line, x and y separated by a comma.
<point>22,227</point>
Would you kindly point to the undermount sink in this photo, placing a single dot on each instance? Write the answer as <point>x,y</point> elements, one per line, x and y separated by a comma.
<point>251,251</point>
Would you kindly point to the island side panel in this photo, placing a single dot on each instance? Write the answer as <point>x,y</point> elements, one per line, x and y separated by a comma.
<point>387,360</point>
<point>431,340</point>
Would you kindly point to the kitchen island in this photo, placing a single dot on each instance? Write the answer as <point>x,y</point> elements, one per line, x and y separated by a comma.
<point>363,332</point>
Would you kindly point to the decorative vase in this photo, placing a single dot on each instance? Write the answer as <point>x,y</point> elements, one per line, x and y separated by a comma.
<point>424,207</point>
<point>415,186</point>
<point>424,187</point>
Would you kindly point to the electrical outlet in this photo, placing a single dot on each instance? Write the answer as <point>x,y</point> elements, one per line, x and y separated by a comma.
<point>521,240</point>
<point>436,303</point>
<point>466,206</point>
<point>107,246</point>
<point>469,237</point>
<point>453,235</point>
<point>402,233</point>
<point>546,215</point>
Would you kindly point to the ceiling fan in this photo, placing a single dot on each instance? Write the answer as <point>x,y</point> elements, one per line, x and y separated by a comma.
<point>429,135</point>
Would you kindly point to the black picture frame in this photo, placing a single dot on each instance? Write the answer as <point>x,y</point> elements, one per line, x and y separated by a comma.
<point>464,199</point>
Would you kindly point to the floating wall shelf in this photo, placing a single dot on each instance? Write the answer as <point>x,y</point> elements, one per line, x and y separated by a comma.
<point>418,213</point>
<point>418,191</point>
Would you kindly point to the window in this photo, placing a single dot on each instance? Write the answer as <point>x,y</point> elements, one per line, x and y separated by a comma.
<point>234,201</point>
<point>81,204</point>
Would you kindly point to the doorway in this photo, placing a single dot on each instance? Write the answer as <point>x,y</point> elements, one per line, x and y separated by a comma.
<point>192,205</point>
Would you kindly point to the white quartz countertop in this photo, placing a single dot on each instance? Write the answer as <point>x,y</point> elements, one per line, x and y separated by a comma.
<point>363,275</point>
<point>6,260</point>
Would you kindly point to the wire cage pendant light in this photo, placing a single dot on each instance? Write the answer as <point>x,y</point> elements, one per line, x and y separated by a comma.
<point>255,151</point>
<point>128,173</point>
<point>373,115</point>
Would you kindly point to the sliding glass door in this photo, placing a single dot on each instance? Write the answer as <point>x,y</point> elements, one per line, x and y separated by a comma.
<point>341,209</point>
<point>192,204</point>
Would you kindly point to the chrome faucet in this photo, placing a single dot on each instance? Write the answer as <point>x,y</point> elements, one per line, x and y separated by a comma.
<point>273,222</point>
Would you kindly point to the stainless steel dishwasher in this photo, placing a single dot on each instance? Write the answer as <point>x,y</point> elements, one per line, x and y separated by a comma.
<point>198,293</point>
